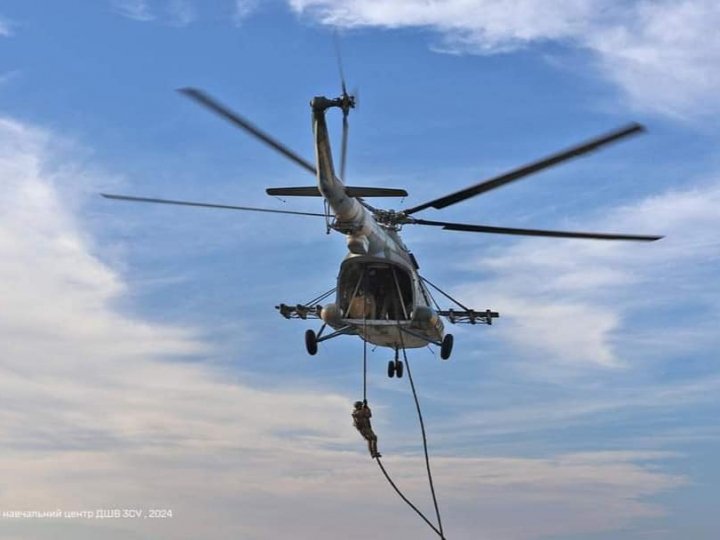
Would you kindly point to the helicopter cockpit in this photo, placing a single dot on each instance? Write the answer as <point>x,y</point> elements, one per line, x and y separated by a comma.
<point>375,290</point>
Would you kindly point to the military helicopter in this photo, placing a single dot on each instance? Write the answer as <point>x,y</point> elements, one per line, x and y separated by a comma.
<point>380,295</point>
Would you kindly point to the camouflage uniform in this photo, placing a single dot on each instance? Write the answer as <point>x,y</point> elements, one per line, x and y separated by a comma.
<point>361,420</point>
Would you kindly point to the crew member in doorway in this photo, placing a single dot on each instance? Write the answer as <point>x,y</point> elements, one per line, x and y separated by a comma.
<point>361,420</point>
<point>362,306</point>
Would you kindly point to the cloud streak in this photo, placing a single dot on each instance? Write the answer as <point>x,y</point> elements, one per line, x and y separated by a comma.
<point>178,13</point>
<point>650,50</point>
<point>99,411</point>
<point>567,301</point>
<point>181,12</point>
<point>137,10</point>
<point>243,9</point>
<point>5,27</point>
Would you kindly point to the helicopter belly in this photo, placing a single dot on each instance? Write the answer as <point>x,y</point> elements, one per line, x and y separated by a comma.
<point>390,334</point>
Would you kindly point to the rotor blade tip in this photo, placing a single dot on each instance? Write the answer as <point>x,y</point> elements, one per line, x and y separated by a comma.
<point>189,91</point>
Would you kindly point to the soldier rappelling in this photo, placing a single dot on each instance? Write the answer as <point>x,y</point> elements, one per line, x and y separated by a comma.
<point>361,420</point>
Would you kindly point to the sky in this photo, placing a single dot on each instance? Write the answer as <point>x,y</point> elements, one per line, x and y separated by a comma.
<point>142,362</point>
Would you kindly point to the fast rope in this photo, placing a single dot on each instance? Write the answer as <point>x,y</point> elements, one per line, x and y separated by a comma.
<point>364,360</point>
<point>404,498</point>
<point>425,446</point>
<point>439,529</point>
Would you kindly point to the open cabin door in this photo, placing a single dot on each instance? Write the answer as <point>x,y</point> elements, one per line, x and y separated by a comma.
<point>375,289</point>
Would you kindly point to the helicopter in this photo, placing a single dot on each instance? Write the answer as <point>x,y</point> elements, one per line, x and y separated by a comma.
<point>380,294</point>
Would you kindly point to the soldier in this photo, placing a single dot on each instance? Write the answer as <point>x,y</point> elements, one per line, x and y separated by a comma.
<point>362,306</point>
<point>361,420</point>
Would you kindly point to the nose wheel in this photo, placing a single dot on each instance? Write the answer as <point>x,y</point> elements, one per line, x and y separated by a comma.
<point>395,367</point>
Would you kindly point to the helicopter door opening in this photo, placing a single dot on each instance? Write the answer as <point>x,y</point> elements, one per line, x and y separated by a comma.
<point>375,291</point>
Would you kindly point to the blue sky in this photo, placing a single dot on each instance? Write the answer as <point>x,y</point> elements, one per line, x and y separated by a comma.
<point>143,364</point>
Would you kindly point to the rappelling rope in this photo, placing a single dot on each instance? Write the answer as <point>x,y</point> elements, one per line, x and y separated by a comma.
<point>438,530</point>
<point>424,435</point>
<point>364,360</point>
<point>404,498</point>
<point>365,308</point>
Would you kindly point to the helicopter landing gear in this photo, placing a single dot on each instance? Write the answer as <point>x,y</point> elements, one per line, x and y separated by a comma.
<point>395,367</point>
<point>312,339</point>
<point>311,343</point>
<point>446,346</point>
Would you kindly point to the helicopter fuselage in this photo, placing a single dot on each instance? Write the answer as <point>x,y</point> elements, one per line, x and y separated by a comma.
<point>380,295</point>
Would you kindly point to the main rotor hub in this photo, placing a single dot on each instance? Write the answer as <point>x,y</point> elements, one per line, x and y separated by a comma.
<point>344,103</point>
<point>391,218</point>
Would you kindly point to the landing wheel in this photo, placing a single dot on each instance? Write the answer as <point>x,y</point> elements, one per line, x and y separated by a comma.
<point>446,347</point>
<point>391,369</point>
<point>399,367</point>
<point>311,342</point>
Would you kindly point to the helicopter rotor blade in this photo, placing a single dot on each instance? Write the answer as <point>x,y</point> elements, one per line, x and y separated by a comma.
<point>343,151</point>
<point>531,168</point>
<point>534,232</point>
<point>348,102</point>
<point>338,57</point>
<point>205,100</point>
<point>205,205</point>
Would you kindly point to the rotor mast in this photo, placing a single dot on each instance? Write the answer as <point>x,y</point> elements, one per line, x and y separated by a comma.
<point>364,235</point>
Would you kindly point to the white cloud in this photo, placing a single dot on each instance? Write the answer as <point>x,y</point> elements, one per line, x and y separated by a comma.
<point>137,10</point>
<point>571,301</point>
<point>97,415</point>
<point>582,404</point>
<point>9,76</point>
<point>243,9</point>
<point>5,27</point>
<point>662,54</point>
<point>181,12</point>
<point>178,13</point>
<point>486,25</point>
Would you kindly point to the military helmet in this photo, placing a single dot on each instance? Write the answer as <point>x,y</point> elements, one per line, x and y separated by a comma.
<point>358,404</point>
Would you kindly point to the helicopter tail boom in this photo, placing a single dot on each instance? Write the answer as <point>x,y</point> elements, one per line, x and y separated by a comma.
<point>347,209</point>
